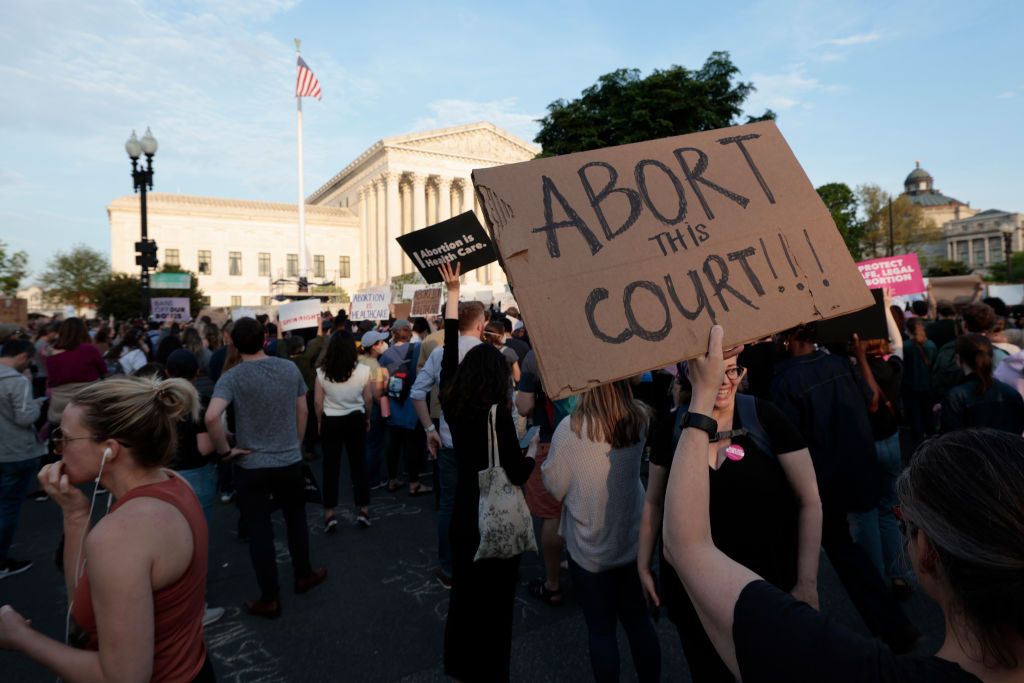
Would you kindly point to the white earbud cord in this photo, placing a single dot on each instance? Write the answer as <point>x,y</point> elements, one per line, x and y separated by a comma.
<point>81,547</point>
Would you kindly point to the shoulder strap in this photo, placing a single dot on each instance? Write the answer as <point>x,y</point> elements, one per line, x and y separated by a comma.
<point>747,407</point>
<point>493,459</point>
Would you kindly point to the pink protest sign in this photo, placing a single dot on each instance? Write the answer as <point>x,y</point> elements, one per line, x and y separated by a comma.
<point>902,274</point>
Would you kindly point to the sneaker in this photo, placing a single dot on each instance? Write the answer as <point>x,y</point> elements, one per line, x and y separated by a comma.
<point>269,610</point>
<point>442,578</point>
<point>378,485</point>
<point>331,525</point>
<point>363,521</point>
<point>312,580</point>
<point>212,614</point>
<point>10,567</point>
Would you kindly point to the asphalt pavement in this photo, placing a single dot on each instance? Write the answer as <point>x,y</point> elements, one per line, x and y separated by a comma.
<point>379,616</point>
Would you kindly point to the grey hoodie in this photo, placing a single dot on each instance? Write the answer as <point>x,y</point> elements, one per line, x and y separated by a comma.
<point>1011,371</point>
<point>18,413</point>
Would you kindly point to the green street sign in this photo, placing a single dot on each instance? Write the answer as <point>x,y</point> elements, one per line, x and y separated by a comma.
<point>170,281</point>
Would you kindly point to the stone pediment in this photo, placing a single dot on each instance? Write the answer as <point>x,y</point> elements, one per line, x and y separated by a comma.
<point>483,141</point>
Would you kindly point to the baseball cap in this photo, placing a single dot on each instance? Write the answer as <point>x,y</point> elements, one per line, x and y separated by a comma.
<point>372,337</point>
<point>401,324</point>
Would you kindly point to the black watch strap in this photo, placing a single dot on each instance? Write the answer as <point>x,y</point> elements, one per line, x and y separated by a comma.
<point>703,423</point>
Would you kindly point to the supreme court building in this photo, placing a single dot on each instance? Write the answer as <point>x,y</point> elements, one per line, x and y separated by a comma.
<point>239,248</point>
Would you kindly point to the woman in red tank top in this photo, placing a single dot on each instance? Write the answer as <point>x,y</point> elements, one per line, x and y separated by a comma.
<point>137,595</point>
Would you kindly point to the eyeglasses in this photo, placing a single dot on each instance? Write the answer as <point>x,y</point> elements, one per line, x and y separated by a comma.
<point>59,440</point>
<point>735,373</point>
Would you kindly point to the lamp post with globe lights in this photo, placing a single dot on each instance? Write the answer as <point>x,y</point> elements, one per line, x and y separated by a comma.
<point>142,178</point>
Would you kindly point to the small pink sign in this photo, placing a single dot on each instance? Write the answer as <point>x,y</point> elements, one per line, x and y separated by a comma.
<point>902,274</point>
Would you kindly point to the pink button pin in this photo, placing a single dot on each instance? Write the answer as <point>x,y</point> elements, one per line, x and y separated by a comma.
<point>734,452</point>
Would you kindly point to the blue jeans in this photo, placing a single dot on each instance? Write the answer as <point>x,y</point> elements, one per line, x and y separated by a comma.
<point>449,475</point>
<point>204,482</point>
<point>877,531</point>
<point>14,480</point>
<point>615,596</point>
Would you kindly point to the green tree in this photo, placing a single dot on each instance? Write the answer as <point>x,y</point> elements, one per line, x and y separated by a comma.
<point>997,271</point>
<point>842,204</point>
<point>910,228</point>
<point>13,269</point>
<point>945,267</point>
<point>625,107</point>
<point>71,277</point>
<point>336,292</point>
<point>119,295</point>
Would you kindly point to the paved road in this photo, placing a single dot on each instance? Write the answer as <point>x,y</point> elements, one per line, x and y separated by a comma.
<point>379,617</point>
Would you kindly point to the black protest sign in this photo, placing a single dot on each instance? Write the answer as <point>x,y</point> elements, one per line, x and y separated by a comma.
<point>868,323</point>
<point>460,239</point>
<point>636,251</point>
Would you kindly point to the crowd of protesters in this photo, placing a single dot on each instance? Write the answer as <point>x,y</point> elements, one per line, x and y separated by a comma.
<point>707,488</point>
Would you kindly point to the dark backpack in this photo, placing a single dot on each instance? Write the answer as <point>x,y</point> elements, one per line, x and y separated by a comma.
<point>401,380</point>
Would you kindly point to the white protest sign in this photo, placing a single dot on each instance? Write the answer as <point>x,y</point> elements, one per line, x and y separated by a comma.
<point>371,304</point>
<point>243,312</point>
<point>299,314</point>
<point>170,308</point>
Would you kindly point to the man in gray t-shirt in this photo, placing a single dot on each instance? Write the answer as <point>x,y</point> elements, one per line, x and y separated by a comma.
<point>269,400</point>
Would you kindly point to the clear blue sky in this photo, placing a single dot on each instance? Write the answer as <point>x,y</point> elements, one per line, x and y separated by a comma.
<point>862,90</point>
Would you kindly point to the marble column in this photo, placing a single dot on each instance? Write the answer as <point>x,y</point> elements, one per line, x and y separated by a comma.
<point>380,234</point>
<point>392,252</point>
<point>419,201</point>
<point>430,196</point>
<point>444,198</point>
<point>405,189</point>
<point>371,245</point>
<point>364,237</point>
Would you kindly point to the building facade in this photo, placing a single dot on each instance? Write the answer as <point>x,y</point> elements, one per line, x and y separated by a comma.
<point>240,248</point>
<point>919,188</point>
<point>982,239</point>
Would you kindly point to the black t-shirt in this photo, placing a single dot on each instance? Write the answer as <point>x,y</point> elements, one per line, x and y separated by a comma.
<point>888,375</point>
<point>779,638</point>
<point>188,456</point>
<point>754,511</point>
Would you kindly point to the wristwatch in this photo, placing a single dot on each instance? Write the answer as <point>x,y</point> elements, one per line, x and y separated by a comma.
<point>429,429</point>
<point>703,423</point>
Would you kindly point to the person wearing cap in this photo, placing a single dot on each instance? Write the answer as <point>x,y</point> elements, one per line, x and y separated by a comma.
<point>373,345</point>
<point>405,441</point>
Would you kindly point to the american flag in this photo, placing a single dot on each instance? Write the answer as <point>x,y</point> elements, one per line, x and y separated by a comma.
<point>306,85</point>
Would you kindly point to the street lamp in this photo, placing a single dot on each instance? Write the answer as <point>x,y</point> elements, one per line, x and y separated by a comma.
<point>142,178</point>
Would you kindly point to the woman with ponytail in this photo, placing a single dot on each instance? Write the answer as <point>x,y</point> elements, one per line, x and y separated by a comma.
<point>137,596</point>
<point>981,400</point>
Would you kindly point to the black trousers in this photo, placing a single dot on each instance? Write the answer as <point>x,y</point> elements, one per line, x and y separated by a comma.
<point>348,432</point>
<point>286,485</point>
<point>410,443</point>
<point>869,594</point>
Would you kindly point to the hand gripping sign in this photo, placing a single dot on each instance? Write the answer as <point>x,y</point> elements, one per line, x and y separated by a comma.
<point>622,258</point>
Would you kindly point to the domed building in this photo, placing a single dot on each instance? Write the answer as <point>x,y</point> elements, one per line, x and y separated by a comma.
<point>919,188</point>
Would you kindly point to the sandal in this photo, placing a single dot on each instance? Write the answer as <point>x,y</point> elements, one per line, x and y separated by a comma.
<point>541,592</point>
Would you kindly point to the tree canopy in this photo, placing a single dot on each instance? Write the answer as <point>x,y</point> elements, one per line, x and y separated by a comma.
<point>910,227</point>
<point>120,294</point>
<point>13,269</point>
<point>72,276</point>
<point>842,203</point>
<point>624,107</point>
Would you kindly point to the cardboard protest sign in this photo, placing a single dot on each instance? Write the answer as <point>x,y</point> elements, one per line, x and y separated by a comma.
<point>460,239</point>
<point>867,323</point>
<point>902,274</point>
<point>400,310</point>
<point>371,304</point>
<point>427,302</point>
<point>13,311</point>
<point>297,315</point>
<point>170,308</point>
<point>956,289</point>
<point>633,252</point>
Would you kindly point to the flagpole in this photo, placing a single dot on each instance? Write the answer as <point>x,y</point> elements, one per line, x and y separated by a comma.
<point>303,282</point>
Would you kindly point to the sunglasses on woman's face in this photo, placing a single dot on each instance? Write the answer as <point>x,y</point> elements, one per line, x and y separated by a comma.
<point>60,440</point>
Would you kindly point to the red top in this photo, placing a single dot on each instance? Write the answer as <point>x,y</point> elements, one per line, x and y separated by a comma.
<point>84,363</point>
<point>178,648</point>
